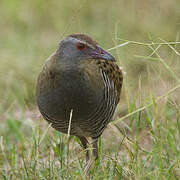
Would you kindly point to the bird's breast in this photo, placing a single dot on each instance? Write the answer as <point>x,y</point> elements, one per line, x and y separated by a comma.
<point>70,90</point>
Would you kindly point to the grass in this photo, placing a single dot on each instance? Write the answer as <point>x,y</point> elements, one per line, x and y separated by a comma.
<point>143,142</point>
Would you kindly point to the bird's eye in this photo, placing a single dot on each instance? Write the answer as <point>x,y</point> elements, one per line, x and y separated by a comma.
<point>81,46</point>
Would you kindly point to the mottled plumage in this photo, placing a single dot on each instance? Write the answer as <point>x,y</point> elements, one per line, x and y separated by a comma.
<point>82,77</point>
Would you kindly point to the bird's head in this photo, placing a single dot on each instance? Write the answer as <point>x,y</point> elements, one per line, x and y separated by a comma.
<point>82,47</point>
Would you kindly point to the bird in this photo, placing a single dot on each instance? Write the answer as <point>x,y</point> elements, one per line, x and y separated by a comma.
<point>83,78</point>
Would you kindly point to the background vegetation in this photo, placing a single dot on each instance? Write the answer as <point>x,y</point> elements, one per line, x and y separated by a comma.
<point>144,140</point>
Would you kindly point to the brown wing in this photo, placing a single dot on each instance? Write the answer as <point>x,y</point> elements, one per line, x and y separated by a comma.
<point>107,77</point>
<point>113,72</point>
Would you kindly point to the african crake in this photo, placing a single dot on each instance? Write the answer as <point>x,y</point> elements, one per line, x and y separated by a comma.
<point>82,77</point>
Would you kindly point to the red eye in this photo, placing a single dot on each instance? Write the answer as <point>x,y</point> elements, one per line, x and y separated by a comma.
<point>81,46</point>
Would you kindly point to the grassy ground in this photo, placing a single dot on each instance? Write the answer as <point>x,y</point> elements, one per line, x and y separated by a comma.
<point>144,140</point>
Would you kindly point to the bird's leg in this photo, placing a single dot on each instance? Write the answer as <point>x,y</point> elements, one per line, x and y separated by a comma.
<point>95,148</point>
<point>95,154</point>
<point>84,142</point>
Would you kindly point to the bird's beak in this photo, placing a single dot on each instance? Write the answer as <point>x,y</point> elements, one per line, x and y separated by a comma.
<point>100,53</point>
